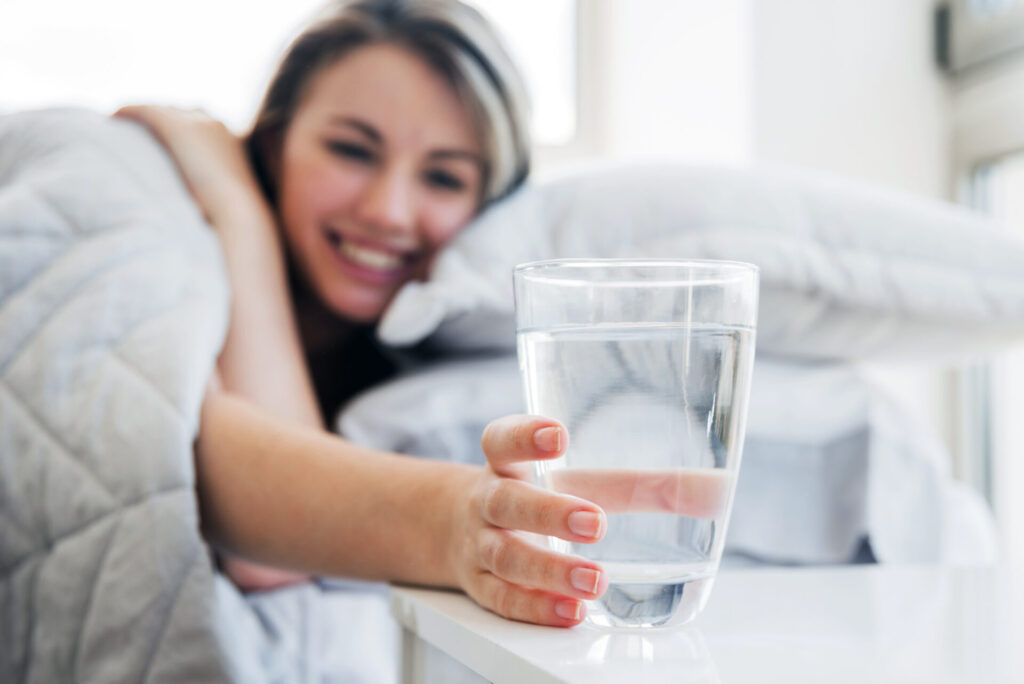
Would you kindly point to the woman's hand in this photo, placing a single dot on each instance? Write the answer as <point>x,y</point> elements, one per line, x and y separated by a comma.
<point>210,158</point>
<point>494,561</point>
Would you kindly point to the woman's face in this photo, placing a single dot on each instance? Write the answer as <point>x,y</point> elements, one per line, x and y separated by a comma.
<point>380,166</point>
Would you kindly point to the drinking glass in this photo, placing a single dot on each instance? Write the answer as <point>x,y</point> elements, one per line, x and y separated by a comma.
<point>647,363</point>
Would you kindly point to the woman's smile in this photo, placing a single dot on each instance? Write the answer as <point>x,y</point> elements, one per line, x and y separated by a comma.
<point>370,262</point>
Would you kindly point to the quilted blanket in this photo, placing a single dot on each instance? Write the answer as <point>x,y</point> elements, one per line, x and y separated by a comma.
<point>113,307</point>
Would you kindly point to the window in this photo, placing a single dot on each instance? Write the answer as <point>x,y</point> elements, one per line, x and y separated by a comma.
<point>981,32</point>
<point>542,39</point>
<point>993,394</point>
<point>219,55</point>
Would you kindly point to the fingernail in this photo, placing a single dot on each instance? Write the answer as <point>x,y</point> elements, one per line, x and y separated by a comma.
<point>585,523</point>
<point>548,439</point>
<point>585,579</point>
<point>568,610</point>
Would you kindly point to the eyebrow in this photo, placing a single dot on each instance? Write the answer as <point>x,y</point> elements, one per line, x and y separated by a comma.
<point>441,155</point>
<point>362,126</point>
<point>368,130</point>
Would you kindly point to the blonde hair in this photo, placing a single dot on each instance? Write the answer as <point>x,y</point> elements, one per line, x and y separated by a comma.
<point>449,35</point>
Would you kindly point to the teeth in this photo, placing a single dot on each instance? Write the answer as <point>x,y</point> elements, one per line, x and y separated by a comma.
<point>371,258</point>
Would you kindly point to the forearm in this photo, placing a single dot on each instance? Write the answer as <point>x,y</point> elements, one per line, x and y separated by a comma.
<point>301,498</point>
<point>262,359</point>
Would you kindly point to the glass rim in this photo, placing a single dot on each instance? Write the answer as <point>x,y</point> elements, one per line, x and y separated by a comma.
<point>711,271</point>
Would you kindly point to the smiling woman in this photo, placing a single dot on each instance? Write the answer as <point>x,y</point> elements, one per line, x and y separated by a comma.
<point>388,126</point>
<point>380,190</point>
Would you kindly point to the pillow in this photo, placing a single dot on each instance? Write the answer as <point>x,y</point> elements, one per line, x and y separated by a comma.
<point>847,270</point>
<point>829,459</point>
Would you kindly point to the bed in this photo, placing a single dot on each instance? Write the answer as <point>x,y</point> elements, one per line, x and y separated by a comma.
<point>113,307</point>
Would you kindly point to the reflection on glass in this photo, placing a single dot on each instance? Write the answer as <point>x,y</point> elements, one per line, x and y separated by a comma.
<point>681,651</point>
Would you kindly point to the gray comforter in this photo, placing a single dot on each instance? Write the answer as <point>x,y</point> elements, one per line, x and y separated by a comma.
<point>113,307</point>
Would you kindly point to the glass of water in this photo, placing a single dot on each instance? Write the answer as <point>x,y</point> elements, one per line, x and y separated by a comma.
<point>648,365</point>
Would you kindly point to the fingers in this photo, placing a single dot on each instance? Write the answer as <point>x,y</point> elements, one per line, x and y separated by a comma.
<point>516,505</point>
<point>149,112</point>
<point>153,116</point>
<point>515,560</point>
<point>167,123</point>
<point>694,492</point>
<point>527,605</point>
<point>130,111</point>
<point>158,120</point>
<point>513,439</point>
<point>515,578</point>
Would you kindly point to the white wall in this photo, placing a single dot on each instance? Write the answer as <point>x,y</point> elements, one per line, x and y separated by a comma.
<point>850,86</point>
<point>106,53</point>
<point>675,80</point>
<point>844,86</point>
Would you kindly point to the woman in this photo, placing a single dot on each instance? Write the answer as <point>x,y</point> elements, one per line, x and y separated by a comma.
<point>387,128</point>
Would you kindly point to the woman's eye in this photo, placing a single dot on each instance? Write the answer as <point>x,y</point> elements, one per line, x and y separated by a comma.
<point>444,180</point>
<point>352,151</point>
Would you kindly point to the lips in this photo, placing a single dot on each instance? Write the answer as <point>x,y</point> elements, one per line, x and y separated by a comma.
<point>369,261</point>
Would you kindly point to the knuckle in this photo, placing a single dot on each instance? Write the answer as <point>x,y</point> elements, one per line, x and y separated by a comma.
<point>502,558</point>
<point>505,601</point>
<point>474,500</point>
<point>547,573</point>
<point>543,514</point>
<point>487,438</point>
<point>553,573</point>
<point>548,512</point>
<point>477,503</point>
<point>494,499</point>
<point>522,434</point>
<point>479,592</point>
<point>486,552</point>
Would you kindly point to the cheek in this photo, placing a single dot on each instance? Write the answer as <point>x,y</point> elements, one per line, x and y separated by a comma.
<point>445,220</point>
<point>311,192</point>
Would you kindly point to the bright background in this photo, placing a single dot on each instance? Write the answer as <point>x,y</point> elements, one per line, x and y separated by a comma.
<point>850,87</point>
<point>219,54</point>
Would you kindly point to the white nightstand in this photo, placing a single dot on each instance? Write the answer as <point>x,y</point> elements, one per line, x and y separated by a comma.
<point>841,624</point>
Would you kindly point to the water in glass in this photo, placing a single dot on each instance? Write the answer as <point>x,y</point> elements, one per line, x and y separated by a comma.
<point>655,441</point>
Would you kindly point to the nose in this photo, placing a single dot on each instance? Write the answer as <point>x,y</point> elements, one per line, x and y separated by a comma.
<point>387,201</point>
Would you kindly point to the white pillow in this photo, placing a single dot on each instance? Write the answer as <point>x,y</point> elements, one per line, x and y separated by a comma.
<point>847,270</point>
<point>829,459</point>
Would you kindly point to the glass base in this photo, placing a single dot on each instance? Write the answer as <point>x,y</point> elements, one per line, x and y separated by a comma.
<point>650,604</point>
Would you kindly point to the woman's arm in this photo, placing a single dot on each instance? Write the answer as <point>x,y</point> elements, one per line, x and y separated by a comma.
<point>262,358</point>
<point>301,498</point>
<point>273,486</point>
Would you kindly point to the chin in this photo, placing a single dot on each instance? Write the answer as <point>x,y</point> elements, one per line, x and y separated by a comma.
<point>355,311</point>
